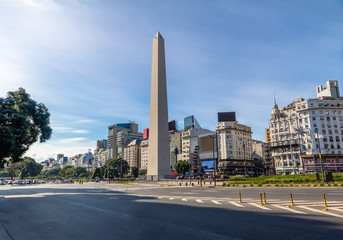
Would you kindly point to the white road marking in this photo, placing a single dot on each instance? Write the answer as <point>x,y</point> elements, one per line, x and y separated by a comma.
<point>259,206</point>
<point>289,209</point>
<point>236,204</point>
<point>216,202</point>
<point>171,198</point>
<point>184,199</point>
<point>199,201</point>
<point>321,211</point>
<point>160,197</point>
<point>336,209</point>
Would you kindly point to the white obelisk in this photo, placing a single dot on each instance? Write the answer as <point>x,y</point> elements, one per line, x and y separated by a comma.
<point>159,150</point>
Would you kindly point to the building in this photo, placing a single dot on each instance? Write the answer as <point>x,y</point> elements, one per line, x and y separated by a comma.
<point>235,148</point>
<point>306,136</point>
<point>262,158</point>
<point>191,130</point>
<point>132,153</point>
<point>267,132</point>
<point>119,135</point>
<point>144,154</point>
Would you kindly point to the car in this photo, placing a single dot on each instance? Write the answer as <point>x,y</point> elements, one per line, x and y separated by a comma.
<point>10,182</point>
<point>28,181</point>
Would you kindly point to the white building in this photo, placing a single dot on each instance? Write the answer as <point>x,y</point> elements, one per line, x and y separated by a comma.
<point>235,148</point>
<point>316,127</point>
<point>144,153</point>
<point>132,153</point>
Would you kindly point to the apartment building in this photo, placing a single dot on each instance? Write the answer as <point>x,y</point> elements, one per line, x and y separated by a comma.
<point>306,136</point>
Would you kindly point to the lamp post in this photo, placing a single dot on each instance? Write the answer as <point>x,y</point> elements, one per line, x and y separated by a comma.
<point>244,160</point>
<point>320,156</point>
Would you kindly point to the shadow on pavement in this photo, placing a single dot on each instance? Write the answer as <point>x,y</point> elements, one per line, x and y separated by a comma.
<point>47,213</point>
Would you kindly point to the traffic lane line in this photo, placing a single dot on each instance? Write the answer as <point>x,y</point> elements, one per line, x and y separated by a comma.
<point>259,206</point>
<point>236,204</point>
<point>321,211</point>
<point>289,209</point>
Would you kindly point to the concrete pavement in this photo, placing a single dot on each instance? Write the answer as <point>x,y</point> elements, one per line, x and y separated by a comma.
<point>99,211</point>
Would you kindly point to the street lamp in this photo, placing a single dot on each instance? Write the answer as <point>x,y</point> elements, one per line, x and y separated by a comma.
<point>245,161</point>
<point>320,156</point>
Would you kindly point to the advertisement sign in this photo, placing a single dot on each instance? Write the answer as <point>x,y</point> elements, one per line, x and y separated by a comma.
<point>207,166</point>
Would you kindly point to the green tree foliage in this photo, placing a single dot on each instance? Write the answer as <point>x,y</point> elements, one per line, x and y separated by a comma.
<point>23,121</point>
<point>96,173</point>
<point>26,168</point>
<point>66,172</point>
<point>142,172</point>
<point>181,167</point>
<point>134,172</point>
<point>117,167</point>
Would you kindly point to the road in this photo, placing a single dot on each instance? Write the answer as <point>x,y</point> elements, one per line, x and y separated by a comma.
<point>157,211</point>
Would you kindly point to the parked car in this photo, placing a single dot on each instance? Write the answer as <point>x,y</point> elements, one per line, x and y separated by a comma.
<point>28,181</point>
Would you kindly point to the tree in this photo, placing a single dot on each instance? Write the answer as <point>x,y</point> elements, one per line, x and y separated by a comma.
<point>134,172</point>
<point>96,173</point>
<point>22,122</point>
<point>142,172</point>
<point>117,166</point>
<point>26,168</point>
<point>181,167</point>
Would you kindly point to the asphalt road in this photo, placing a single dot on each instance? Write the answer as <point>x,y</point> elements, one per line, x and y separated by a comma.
<point>100,211</point>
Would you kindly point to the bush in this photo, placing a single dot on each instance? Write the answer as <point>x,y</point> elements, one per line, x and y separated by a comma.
<point>237,178</point>
<point>224,184</point>
<point>276,185</point>
<point>251,185</point>
<point>260,184</point>
<point>291,185</point>
<point>335,184</point>
<point>329,184</point>
<point>228,184</point>
<point>322,184</point>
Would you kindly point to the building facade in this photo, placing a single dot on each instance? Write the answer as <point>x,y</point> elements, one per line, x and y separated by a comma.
<point>235,148</point>
<point>132,153</point>
<point>307,134</point>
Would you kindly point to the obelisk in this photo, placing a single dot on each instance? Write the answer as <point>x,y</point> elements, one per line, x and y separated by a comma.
<point>159,150</point>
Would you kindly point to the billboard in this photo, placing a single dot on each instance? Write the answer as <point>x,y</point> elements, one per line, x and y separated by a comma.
<point>172,125</point>
<point>206,144</point>
<point>207,166</point>
<point>226,116</point>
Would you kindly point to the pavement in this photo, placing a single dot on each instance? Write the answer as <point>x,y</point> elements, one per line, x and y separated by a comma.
<point>158,211</point>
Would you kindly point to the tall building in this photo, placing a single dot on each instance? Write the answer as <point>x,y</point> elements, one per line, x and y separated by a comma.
<point>262,158</point>
<point>119,135</point>
<point>191,130</point>
<point>132,153</point>
<point>235,148</point>
<point>144,154</point>
<point>306,136</point>
<point>159,160</point>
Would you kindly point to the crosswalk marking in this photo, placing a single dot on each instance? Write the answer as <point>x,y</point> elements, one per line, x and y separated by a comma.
<point>336,209</point>
<point>259,206</point>
<point>321,211</point>
<point>216,202</point>
<point>236,204</point>
<point>289,209</point>
<point>171,198</point>
<point>184,199</point>
<point>199,201</point>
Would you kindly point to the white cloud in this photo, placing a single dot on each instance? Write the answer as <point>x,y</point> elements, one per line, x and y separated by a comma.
<point>59,129</point>
<point>69,147</point>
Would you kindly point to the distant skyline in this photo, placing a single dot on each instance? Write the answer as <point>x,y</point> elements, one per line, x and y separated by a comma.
<point>89,61</point>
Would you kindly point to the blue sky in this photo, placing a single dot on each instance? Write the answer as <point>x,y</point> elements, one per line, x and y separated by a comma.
<point>89,61</point>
